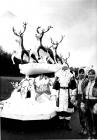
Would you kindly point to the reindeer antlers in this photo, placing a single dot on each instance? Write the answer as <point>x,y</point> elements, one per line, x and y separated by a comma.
<point>43,31</point>
<point>14,31</point>
<point>52,41</point>
<point>38,29</point>
<point>61,38</point>
<point>49,27</point>
<point>24,25</point>
<point>21,32</point>
<point>65,59</point>
<point>57,43</point>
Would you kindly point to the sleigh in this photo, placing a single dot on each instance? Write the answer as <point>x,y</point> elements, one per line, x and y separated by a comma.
<point>28,108</point>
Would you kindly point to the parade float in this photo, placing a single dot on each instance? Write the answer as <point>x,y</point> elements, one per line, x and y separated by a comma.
<point>33,98</point>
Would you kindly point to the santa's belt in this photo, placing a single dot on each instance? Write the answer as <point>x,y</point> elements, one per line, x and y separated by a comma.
<point>64,87</point>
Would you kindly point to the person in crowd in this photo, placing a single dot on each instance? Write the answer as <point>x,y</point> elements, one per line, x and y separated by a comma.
<point>90,93</point>
<point>65,83</point>
<point>80,101</point>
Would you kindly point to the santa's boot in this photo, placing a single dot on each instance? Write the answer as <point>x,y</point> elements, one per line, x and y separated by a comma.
<point>61,122</point>
<point>67,125</point>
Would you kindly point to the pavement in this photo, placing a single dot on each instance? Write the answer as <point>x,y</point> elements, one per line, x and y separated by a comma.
<point>34,130</point>
<point>43,129</point>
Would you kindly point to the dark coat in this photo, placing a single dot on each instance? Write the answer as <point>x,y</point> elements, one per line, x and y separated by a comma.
<point>94,90</point>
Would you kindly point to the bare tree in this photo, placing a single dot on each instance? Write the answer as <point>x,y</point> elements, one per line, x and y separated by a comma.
<point>20,34</point>
<point>55,47</point>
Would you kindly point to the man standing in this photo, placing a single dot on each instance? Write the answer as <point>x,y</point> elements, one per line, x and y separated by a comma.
<point>90,92</point>
<point>64,112</point>
<point>80,101</point>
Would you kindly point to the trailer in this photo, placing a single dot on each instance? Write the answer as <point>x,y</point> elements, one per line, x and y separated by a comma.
<point>25,102</point>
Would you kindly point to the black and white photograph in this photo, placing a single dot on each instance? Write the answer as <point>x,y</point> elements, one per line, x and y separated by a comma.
<point>48,72</point>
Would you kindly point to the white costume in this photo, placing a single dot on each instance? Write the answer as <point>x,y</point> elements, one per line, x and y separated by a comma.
<point>42,87</point>
<point>64,78</point>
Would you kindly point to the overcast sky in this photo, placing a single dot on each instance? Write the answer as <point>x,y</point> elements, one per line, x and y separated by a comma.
<point>76,19</point>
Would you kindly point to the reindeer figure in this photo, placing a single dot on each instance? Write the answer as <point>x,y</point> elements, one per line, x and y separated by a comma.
<point>55,47</point>
<point>39,37</point>
<point>64,60</point>
<point>13,56</point>
<point>34,58</point>
<point>50,58</point>
<point>20,35</point>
